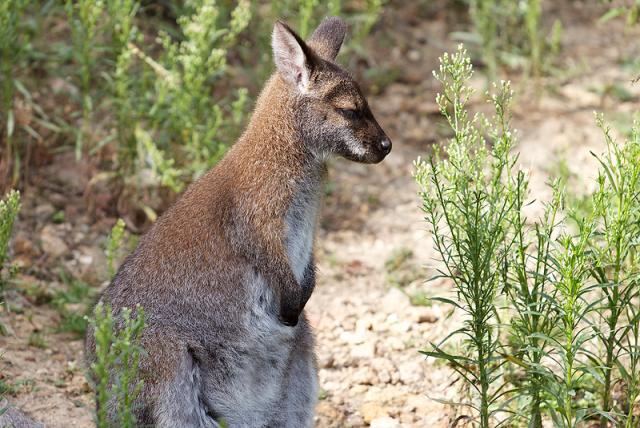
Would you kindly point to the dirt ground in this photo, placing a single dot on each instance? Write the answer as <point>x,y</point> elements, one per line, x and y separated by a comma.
<point>373,252</point>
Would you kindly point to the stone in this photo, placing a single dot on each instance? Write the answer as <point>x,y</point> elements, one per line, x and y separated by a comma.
<point>410,372</point>
<point>395,301</point>
<point>384,369</point>
<point>426,316</point>
<point>364,376</point>
<point>417,403</point>
<point>372,411</point>
<point>354,421</point>
<point>329,411</point>
<point>44,211</point>
<point>52,244</point>
<point>365,351</point>
<point>22,245</point>
<point>384,422</point>
<point>92,264</point>
<point>326,361</point>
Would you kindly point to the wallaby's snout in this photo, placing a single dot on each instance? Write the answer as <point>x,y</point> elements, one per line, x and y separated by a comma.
<point>374,142</point>
<point>332,113</point>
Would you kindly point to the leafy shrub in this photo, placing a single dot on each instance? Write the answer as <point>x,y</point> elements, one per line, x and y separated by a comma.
<point>567,283</point>
<point>83,17</point>
<point>12,40</point>
<point>158,107</point>
<point>472,195</point>
<point>113,244</point>
<point>117,353</point>
<point>511,33</point>
<point>631,11</point>
<point>9,208</point>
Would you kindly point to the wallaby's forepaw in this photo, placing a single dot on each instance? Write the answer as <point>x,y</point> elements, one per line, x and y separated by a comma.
<point>289,314</point>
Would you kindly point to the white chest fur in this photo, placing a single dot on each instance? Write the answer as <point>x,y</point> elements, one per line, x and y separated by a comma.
<point>300,224</point>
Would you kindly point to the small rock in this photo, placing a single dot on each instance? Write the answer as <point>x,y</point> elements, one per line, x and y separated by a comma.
<point>410,372</point>
<point>363,325</point>
<point>401,327</point>
<point>414,55</point>
<point>92,264</point>
<point>44,211</point>
<point>384,422</point>
<point>372,411</point>
<point>427,316</point>
<point>384,368</point>
<point>22,245</point>
<point>396,301</point>
<point>326,361</point>
<point>329,411</point>
<point>351,337</point>
<point>364,376</point>
<point>52,244</point>
<point>407,418</point>
<point>365,351</point>
<point>354,421</point>
<point>357,391</point>
<point>417,403</point>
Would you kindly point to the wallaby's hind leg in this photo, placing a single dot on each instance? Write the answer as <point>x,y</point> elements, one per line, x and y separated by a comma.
<point>178,402</point>
<point>300,393</point>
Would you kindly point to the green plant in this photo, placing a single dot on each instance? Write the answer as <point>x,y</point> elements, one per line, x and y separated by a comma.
<point>123,87</point>
<point>528,275</point>
<point>511,33</point>
<point>83,17</point>
<point>115,370</point>
<point>9,208</point>
<point>36,339</point>
<point>632,12</point>
<point>467,206</point>
<point>189,67</point>
<point>11,48</point>
<point>630,373</point>
<point>70,302</point>
<point>573,263</point>
<point>567,284</point>
<point>114,242</point>
<point>616,240</point>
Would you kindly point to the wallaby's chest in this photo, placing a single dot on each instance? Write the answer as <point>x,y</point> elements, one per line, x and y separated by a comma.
<point>300,225</point>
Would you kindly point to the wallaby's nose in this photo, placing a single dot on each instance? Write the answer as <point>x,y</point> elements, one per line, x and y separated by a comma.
<point>385,144</point>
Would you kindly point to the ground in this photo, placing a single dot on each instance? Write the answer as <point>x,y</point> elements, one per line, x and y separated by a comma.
<point>374,254</point>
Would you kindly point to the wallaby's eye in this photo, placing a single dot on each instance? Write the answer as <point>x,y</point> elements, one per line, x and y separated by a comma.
<point>348,113</point>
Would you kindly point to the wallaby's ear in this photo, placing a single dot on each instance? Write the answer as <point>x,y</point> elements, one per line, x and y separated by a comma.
<point>327,39</point>
<point>294,60</point>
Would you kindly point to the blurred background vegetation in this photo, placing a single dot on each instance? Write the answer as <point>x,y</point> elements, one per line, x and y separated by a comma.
<point>149,94</point>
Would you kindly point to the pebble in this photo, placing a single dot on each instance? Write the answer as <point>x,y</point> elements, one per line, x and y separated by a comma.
<point>410,372</point>
<point>365,351</point>
<point>372,411</point>
<point>52,244</point>
<point>385,422</point>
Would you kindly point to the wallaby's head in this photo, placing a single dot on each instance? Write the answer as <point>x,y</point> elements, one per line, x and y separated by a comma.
<point>331,113</point>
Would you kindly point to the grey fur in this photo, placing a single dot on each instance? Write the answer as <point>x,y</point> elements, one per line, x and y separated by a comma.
<point>14,418</point>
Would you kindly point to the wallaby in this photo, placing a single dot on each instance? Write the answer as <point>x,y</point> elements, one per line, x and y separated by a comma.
<point>224,274</point>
